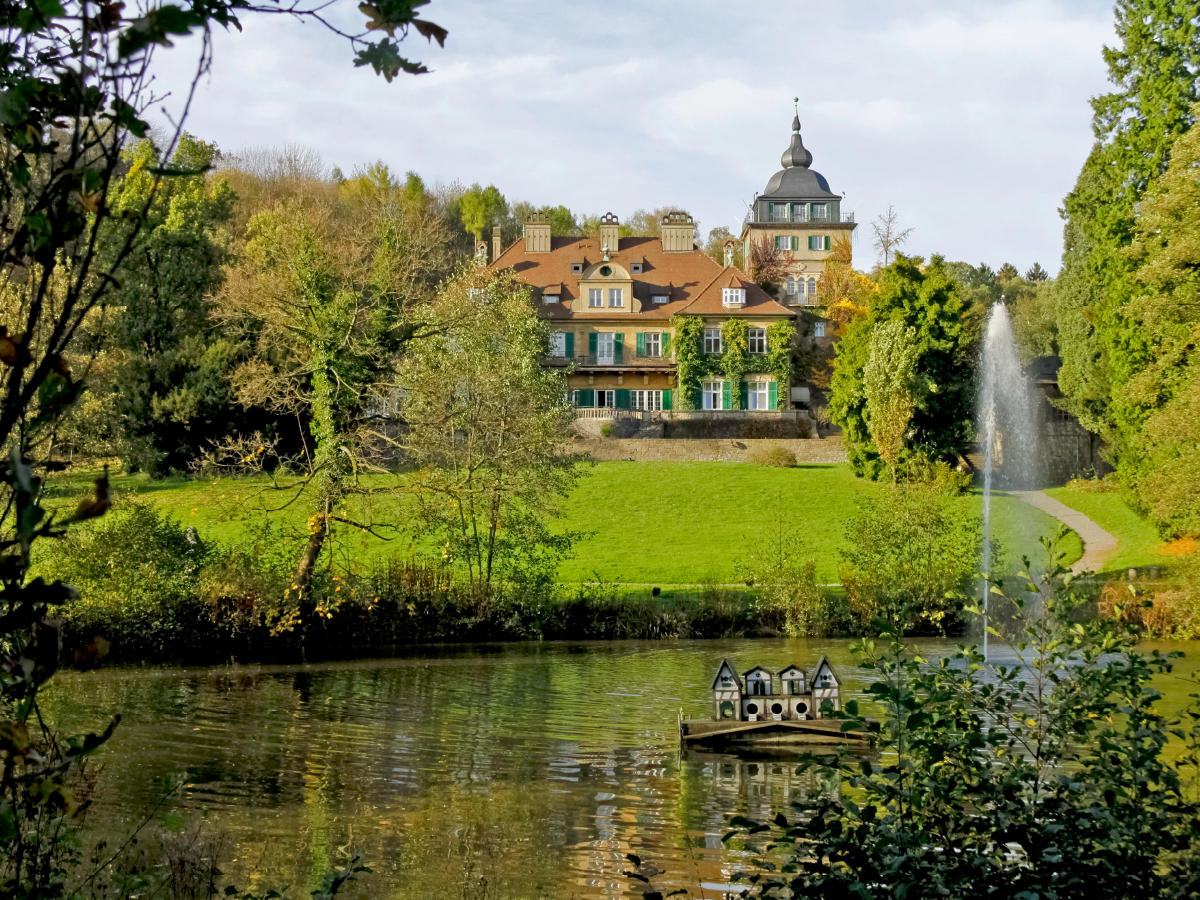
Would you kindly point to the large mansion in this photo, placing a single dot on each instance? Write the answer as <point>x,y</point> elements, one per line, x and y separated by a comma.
<point>620,306</point>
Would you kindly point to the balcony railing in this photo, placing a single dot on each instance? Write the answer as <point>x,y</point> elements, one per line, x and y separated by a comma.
<point>627,359</point>
<point>799,217</point>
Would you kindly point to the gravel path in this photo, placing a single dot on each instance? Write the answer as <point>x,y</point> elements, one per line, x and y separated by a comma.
<point>1098,545</point>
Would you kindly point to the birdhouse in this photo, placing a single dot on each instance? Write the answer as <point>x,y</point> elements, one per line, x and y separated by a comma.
<point>727,692</point>
<point>798,702</point>
<point>825,685</point>
<point>755,704</point>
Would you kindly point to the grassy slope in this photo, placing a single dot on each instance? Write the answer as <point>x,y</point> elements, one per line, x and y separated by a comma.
<point>1140,543</point>
<point>659,523</point>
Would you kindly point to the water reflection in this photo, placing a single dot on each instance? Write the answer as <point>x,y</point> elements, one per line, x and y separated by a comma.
<point>520,771</point>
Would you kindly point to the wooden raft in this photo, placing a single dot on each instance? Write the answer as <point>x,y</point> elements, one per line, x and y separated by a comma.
<point>786,731</point>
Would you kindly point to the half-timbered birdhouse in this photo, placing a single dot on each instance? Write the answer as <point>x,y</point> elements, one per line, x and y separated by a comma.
<point>727,692</point>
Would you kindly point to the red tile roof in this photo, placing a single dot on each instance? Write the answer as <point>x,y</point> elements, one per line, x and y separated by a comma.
<point>687,279</point>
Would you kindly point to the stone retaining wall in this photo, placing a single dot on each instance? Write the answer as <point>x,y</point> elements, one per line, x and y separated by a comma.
<point>827,450</point>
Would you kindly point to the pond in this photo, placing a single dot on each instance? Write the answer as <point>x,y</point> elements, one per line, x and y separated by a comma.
<point>504,771</point>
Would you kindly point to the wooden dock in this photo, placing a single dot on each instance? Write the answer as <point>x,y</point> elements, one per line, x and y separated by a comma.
<point>804,732</point>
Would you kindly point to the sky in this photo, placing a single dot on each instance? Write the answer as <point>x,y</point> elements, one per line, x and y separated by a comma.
<point>971,119</point>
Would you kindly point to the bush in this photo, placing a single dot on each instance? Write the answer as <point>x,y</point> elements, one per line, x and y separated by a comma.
<point>606,429</point>
<point>137,570</point>
<point>789,598</point>
<point>773,455</point>
<point>1172,610</point>
<point>910,559</point>
<point>1106,485</point>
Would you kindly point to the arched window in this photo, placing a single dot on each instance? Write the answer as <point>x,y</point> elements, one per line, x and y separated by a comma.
<point>791,284</point>
<point>812,286</point>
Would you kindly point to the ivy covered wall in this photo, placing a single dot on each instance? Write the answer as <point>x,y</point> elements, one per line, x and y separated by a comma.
<point>693,365</point>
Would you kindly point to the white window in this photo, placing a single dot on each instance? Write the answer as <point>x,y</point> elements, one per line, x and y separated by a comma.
<point>800,287</point>
<point>558,344</point>
<point>604,349</point>
<point>659,298</point>
<point>791,284</point>
<point>595,297</point>
<point>819,210</point>
<point>783,242</point>
<point>819,329</point>
<point>712,340</point>
<point>605,399</point>
<point>758,340</point>
<point>818,242</point>
<point>733,296</point>
<point>758,395</point>
<point>616,297</point>
<point>648,400</point>
<point>653,343</point>
<point>812,287</point>
<point>474,294</point>
<point>549,298</point>
<point>710,394</point>
<point>574,398</point>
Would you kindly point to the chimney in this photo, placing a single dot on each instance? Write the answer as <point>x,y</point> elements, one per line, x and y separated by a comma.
<point>610,235</point>
<point>729,245</point>
<point>537,234</point>
<point>678,232</point>
<point>497,246</point>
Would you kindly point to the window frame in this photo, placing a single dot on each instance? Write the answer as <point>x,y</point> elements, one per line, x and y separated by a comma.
<point>595,298</point>
<point>756,336</point>
<point>609,395</point>
<point>617,294</point>
<point>646,400</point>
<point>709,334</point>
<point>558,344</point>
<point>757,393</point>
<point>660,298</point>
<point>652,338</point>
<point>711,392</point>
<point>819,329</point>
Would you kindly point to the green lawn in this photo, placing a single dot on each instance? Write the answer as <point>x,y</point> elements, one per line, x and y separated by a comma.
<point>656,523</point>
<point>675,523</point>
<point>1140,543</point>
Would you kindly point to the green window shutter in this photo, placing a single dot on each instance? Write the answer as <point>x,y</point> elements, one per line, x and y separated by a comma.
<point>812,242</point>
<point>592,344</point>
<point>622,398</point>
<point>666,399</point>
<point>570,345</point>
<point>587,397</point>
<point>770,211</point>
<point>698,399</point>
<point>665,343</point>
<point>828,241</point>
<point>795,242</point>
<point>744,395</point>
<point>726,395</point>
<point>772,395</point>
<point>641,344</point>
<point>619,348</point>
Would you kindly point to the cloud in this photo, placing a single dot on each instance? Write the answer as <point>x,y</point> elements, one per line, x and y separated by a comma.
<point>972,119</point>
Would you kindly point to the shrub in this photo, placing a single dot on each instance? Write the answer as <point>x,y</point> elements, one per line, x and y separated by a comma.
<point>804,426</point>
<point>606,429</point>
<point>137,570</point>
<point>1106,485</point>
<point>910,559</point>
<point>789,598</point>
<point>773,455</point>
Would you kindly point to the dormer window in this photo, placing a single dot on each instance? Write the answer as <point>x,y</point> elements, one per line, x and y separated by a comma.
<point>733,296</point>
<point>659,298</point>
<point>635,268</point>
<point>576,268</point>
<point>606,271</point>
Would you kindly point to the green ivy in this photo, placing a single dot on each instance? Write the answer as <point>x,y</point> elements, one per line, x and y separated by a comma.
<point>780,338</point>
<point>690,362</point>
<point>735,363</point>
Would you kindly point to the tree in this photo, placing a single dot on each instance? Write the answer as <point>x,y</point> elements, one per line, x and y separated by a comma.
<point>168,375</point>
<point>640,223</point>
<point>1154,71</point>
<point>486,425</point>
<point>481,209</point>
<point>1161,398</point>
<point>889,236</point>
<point>844,293</point>
<point>77,81</point>
<point>1054,776</point>
<point>715,246</point>
<point>1007,272</point>
<point>329,287</point>
<point>948,330</point>
<point>890,386</point>
<point>785,578</point>
<point>768,264</point>
<point>1036,273</point>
